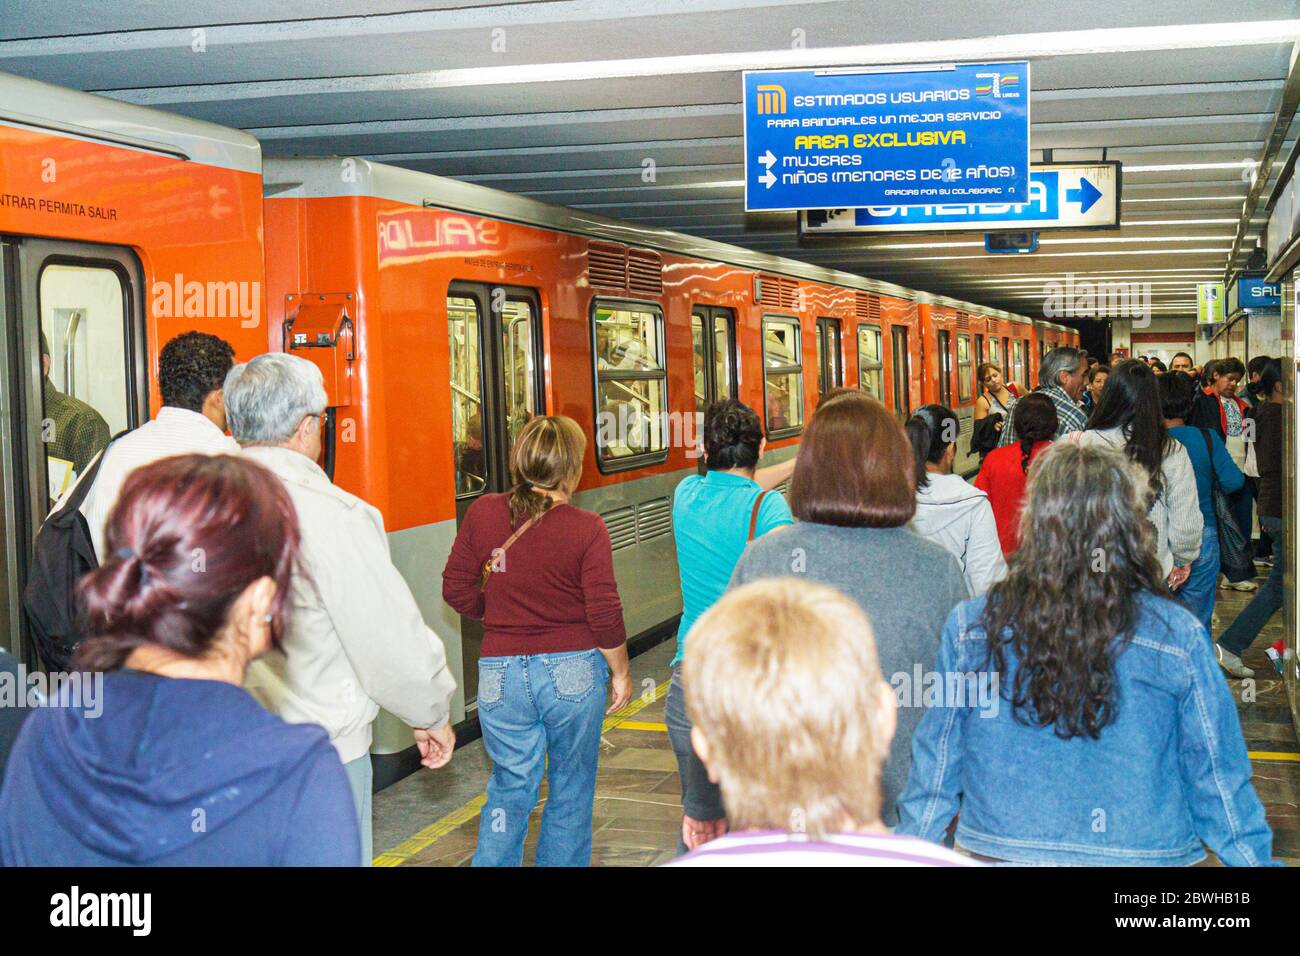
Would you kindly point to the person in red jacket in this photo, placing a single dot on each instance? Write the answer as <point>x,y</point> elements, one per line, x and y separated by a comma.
<point>539,573</point>
<point>1005,471</point>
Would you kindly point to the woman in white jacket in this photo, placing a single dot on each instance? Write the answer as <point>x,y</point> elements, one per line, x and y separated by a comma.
<point>950,510</point>
<point>1129,418</point>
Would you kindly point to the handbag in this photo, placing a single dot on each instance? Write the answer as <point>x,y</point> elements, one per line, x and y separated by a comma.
<point>1234,549</point>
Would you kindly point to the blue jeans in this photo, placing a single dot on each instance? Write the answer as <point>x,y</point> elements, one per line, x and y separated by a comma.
<point>701,798</point>
<point>1268,599</point>
<point>1198,591</point>
<point>540,713</point>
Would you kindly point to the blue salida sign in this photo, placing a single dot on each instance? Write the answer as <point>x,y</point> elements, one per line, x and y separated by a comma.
<point>1253,294</point>
<point>820,139</point>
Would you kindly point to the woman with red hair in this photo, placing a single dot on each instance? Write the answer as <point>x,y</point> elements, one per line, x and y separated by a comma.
<point>174,763</point>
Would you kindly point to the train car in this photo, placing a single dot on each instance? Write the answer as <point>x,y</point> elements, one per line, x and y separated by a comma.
<point>120,227</point>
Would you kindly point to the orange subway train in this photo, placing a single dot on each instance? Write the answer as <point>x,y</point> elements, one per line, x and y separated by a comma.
<point>442,315</point>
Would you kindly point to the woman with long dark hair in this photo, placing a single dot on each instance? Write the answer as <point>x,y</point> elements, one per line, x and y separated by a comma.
<point>1129,417</point>
<point>180,766</point>
<point>950,510</point>
<point>1091,726</point>
<point>993,407</point>
<point>1006,470</point>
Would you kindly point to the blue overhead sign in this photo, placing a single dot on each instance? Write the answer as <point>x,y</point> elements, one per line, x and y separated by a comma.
<point>818,139</point>
<point>1061,196</point>
<point>1253,294</point>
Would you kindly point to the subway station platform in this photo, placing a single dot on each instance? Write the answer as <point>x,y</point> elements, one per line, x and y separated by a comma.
<point>431,818</point>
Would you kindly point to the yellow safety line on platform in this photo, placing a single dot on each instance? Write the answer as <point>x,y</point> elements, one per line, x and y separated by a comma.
<point>642,725</point>
<point>1272,755</point>
<point>458,817</point>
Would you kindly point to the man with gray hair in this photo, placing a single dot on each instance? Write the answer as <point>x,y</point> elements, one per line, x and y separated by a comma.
<point>356,641</point>
<point>1061,376</point>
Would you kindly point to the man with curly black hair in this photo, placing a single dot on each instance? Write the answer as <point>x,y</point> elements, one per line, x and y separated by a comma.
<point>191,373</point>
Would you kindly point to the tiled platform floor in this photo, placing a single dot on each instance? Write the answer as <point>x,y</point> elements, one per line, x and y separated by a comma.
<point>431,818</point>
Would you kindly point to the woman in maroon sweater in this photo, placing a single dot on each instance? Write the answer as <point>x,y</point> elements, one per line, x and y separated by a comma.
<point>540,574</point>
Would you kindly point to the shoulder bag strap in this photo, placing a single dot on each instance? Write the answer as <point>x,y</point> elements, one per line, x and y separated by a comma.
<point>499,552</point>
<point>753,515</point>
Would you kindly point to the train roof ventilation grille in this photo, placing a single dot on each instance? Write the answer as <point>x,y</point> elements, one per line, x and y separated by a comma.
<point>654,519</point>
<point>621,523</point>
<point>607,265</point>
<point>780,292</point>
<point>868,306</point>
<point>963,321</point>
<point>645,272</point>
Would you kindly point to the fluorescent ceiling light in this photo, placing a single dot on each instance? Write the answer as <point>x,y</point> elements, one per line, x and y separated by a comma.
<point>1187,167</point>
<point>1240,198</point>
<point>1108,252</point>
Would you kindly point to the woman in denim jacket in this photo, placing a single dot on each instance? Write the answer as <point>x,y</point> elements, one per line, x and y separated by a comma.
<point>1097,730</point>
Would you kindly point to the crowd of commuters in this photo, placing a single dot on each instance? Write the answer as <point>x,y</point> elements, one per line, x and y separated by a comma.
<point>893,650</point>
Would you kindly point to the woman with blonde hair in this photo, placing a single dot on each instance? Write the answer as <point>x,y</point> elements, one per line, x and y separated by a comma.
<point>539,573</point>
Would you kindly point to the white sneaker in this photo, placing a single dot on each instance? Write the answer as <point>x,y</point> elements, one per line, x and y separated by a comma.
<point>1241,586</point>
<point>1231,663</point>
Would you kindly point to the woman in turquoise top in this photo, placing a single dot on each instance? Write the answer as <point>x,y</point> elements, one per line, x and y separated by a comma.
<point>712,517</point>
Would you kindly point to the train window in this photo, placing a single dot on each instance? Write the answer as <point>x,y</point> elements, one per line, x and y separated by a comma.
<point>993,353</point>
<point>468,447</point>
<point>782,376</point>
<point>870,368</point>
<point>1018,359</point>
<point>830,366</point>
<point>902,373</point>
<point>1007,369</point>
<point>963,368</point>
<point>945,368</point>
<point>86,394</point>
<point>979,349</point>
<point>631,383</point>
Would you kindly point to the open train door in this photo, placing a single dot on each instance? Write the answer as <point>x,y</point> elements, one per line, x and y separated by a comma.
<point>72,372</point>
<point>495,334</point>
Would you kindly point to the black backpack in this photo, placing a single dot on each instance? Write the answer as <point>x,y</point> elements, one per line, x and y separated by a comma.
<point>63,554</point>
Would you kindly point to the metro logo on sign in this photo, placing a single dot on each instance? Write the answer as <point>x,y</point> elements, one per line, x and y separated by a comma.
<point>913,135</point>
<point>1061,196</point>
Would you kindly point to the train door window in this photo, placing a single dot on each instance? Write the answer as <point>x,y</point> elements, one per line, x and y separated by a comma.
<point>782,376</point>
<point>870,368</point>
<point>979,349</point>
<point>830,368</point>
<point>86,393</point>
<point>713,343</point>
<point>1007,369</point>
<point>944,359</point>
<point>469,453</point>
<point>1018,359</point>
<point>993,352</point>
<point>631,384</point>
<point>963,368</point>
<point>74,371</point>
<point>494,338</point>
<point>518,363</point>
<point>902,374</point>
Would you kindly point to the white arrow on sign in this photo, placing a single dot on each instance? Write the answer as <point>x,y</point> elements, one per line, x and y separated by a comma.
<point>767,179</point>
<point>767,159</point>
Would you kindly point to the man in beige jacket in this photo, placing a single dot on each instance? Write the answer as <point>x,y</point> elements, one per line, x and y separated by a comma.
<point>356,641</point>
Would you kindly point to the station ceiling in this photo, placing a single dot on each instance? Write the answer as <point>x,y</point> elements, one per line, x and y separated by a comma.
<point>565,100</point>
